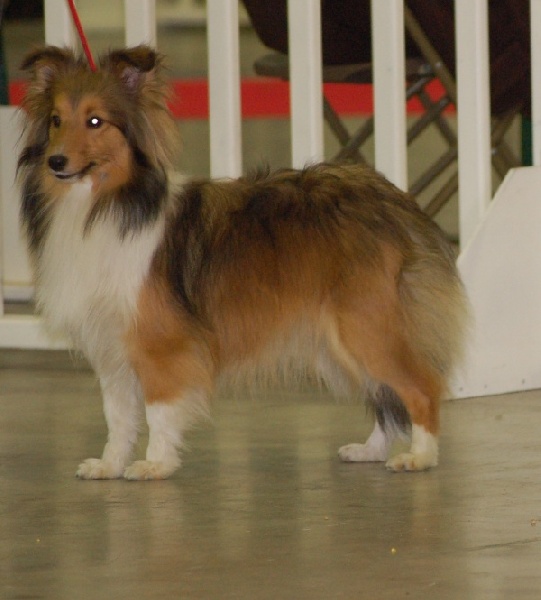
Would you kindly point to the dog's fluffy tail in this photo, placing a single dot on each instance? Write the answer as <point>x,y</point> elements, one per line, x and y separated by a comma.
<point>390,412</point>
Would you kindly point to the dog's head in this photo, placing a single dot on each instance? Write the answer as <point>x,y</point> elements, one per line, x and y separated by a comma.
<point>100,124</point>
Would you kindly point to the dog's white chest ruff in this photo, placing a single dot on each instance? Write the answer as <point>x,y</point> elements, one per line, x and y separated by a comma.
<point>89,280</point>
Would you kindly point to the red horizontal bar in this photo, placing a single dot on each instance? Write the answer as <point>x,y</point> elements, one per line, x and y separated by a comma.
<point>265,98</point>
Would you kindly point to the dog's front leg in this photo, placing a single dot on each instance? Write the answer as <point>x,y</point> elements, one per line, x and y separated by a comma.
<point>167,422</point>
<point>121,409</point>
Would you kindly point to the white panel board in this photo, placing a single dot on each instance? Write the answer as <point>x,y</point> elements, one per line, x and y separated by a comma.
<point>26,332</point>
<point>14,269</point>
<point>501,269</point>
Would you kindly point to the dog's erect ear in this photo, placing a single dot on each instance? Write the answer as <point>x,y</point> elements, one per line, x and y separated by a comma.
<point>45,63</point>
<point>132,65</point>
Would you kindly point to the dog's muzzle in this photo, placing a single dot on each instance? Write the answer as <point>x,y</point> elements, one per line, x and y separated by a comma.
<point>57,163</point>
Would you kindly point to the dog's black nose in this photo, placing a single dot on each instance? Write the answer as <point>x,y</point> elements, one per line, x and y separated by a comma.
<point>58,162</point>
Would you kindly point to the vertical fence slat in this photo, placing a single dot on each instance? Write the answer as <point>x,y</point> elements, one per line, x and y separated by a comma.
<point>15,269</point>
<point>389,90</point>
<point>224,88</point>
<point>535,14</point>
<point>8,162</point>
<point>59,30</point>
<point>304,32</point>
<point>140,18</point>
<point>473,103</point>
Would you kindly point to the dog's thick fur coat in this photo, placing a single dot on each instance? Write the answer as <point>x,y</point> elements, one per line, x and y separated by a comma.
<point>170,288</point>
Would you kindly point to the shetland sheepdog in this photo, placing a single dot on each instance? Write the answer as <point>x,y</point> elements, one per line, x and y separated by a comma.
<point>171,287</point>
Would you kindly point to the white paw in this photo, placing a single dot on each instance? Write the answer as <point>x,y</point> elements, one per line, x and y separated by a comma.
<point>361,453</point>
<point>95,468</point>
<point>150,469</point>
<point>409,461</point>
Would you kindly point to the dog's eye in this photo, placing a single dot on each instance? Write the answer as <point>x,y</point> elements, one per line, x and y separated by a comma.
<point>55,121</point>
<point>94,122</point>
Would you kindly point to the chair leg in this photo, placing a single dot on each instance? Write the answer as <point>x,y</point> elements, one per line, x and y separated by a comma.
<point>442,197</point>
<point>351,149</point>
<point>433,171</point>
<point>443,126</point>
<point>335,123</point>
<point>350,144</point>
<point>432,116</point>
<point>503,158</point>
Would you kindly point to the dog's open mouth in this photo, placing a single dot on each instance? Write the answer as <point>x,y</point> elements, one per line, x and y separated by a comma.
<point>75,176</point>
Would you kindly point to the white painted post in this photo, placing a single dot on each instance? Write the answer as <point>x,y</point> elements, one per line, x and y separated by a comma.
<point>59,29</point>
<point>24,331</point>
<point>500,262</point>
<point>8,199</point>
<point>16,272</point>
<point>140,20</point>
<point>16,331</point>
<point>224,88</point>
<point>305,64</point>
<point>389,90</point>
<point>473,103</point>
<point>535,14</point>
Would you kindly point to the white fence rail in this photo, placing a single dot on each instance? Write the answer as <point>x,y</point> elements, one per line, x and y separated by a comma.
<point>306,109</point>
<point>473,98</point>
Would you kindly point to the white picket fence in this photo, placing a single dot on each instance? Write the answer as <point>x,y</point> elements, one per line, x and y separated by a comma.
<point>483,242</point>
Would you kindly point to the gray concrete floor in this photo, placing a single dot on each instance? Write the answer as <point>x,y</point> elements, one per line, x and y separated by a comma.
<point>262,508</point>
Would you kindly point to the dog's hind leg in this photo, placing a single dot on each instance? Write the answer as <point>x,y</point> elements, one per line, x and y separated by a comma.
<point>422,402</point>
<point>375,334</point>
<point>392,420</point>
<point>343,372</point>
<point>375,449</point>
<point>418,386</point>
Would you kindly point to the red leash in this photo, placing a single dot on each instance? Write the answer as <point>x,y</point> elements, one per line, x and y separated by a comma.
<point>82,36</point>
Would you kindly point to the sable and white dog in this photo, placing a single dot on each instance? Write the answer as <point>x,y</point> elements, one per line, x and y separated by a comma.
<point>169,288</point>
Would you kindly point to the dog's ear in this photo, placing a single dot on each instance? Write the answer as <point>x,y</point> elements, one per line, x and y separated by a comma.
<point>45,63</point>
<point>133,66</point>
